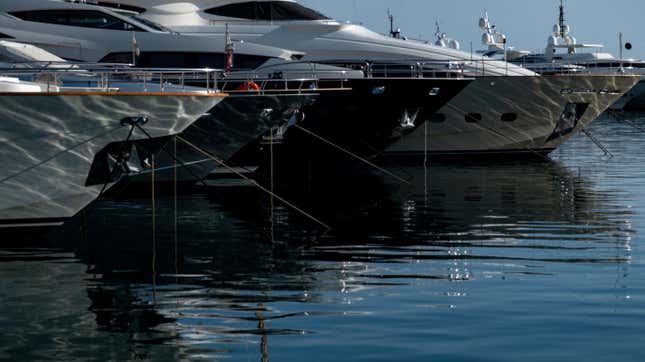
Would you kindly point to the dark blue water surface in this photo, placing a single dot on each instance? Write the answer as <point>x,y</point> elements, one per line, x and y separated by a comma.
<point>505,261</point>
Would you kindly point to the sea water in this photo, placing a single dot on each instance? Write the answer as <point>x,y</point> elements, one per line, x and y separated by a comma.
<point>469,261</point>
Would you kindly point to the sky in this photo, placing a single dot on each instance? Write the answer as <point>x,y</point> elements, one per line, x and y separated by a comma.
<point>526,23</point>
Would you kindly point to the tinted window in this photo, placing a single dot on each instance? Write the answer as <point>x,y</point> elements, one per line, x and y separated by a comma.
<point>293,11</point>
<point>80,18</point>
<point>44,16</point>
<point>151,24</point>
<point>185,60</point>
<point>241,11</point>
<point>267,11</point>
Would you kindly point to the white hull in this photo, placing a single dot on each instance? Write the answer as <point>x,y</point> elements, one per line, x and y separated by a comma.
<point>537,102</point>
<point>48,144</point>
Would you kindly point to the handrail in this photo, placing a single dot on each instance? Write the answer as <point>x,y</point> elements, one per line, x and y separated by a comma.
<point>287,74</point>
<point>104,78</point>
<point>293,85</point>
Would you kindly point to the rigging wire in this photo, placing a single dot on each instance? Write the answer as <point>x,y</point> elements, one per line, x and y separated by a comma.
<point>351,154</point>
<point>255,183</point>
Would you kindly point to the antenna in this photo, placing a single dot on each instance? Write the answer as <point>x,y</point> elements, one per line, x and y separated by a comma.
<point>561,22</point>
<point>394,33</point>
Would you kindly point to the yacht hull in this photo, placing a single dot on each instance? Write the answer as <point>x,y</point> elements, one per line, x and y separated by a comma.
<point>50,141</point>
<point>514,115</point>
<point>634,100</point>
<point>375,113</point>
<point>227,128</point>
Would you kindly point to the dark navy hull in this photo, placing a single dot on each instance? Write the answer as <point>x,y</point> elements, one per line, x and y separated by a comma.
<point>363,120</point>
<point>369,118</point>
<point>237,121</point>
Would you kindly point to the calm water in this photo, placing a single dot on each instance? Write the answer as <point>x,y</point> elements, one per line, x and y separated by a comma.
<point>477,262</point>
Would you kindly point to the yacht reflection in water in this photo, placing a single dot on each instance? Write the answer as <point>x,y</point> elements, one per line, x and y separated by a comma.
<point>228,276</point>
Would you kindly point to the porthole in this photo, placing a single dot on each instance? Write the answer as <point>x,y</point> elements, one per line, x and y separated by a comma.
<point>509,117</point>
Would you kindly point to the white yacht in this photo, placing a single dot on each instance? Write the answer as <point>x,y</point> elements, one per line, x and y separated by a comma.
<point>506,109</point>
<point>61,147</point>
<point>564,54</point>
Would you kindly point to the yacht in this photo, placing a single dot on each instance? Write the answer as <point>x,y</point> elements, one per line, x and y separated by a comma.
<point>364,111</point>
<point>62,146</point>
<point>506,109</point>
<point>278,98</point>
<point>564,54</point>
<point>80,32</point>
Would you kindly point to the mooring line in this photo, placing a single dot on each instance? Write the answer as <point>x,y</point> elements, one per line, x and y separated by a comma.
<point>597,142</point>
<point>154,233</point>
<point>183,165</point>
<point>351,154</point>
<point>425,160</point>
<point>239,174</point>
<point>272,186</point>
<point>636,126</point>
<point>176,240</point>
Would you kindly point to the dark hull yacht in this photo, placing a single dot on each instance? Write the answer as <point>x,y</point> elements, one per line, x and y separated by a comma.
<point>376,113</point>
<point>358,121</point>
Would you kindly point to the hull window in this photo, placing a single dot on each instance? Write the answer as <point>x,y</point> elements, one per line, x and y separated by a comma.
<point>509,117</point>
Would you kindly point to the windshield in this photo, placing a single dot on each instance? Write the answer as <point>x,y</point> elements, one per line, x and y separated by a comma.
<point>267,11</point>
<point>151,24</point>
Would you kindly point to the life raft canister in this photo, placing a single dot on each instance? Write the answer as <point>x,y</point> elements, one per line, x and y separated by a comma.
<point>249,86</point>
